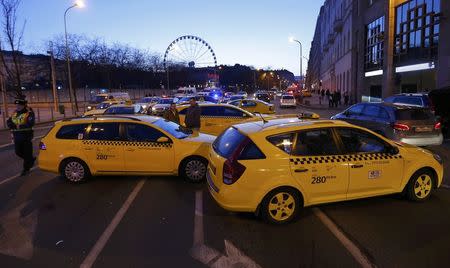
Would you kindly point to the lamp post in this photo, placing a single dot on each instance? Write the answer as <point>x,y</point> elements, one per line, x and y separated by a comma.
<point>79,4</point>
<point>292,39</point>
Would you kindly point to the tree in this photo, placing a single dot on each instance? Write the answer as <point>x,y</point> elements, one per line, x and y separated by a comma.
<point>11,40</point>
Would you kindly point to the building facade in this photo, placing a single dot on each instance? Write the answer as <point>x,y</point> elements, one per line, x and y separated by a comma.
<point>393,46</point>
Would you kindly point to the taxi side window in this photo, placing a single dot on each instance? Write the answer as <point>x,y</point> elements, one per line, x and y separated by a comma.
<point>283,142</point>
<point>315,142</point>
<point>355,110</point>
<point>210,111</point>
<point>359,141</point>
<point>142,133</point>
<point>183,112</point>
<point>104,132</point>
<point>72,132</point>
<point>231,112</point>
<point>248,104</point>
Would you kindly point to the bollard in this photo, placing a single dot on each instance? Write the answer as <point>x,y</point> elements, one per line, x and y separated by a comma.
<point>51,113</point>
<point>38,114</point>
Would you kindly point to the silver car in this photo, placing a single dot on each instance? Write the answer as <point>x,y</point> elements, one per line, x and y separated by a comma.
<point>408,124</point>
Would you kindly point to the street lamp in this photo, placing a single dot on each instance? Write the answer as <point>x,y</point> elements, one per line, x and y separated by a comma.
<point>78,4</point>
<point>292,39</point>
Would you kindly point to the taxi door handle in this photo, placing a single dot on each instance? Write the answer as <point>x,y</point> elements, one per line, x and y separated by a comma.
<point>88,148</point>
<point>357,166</point>
<point>301,170</point>
<point>130,150</point>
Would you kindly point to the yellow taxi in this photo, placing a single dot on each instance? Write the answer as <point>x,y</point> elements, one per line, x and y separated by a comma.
<point>101,107</point>
<point>254,106</point>
<point>123,145</point>
<point>306,93</point>
<point>215,118</point>
<point>278,167</point>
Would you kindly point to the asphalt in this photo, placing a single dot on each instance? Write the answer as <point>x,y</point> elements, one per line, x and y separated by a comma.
<point>47,222</point>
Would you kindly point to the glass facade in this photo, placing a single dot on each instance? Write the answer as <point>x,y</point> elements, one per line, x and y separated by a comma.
<point>374,45</point>
<point>417,31</point>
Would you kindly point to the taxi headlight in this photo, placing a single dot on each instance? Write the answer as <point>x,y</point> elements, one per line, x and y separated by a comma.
<point>438,158</point>
<point>153,108</point>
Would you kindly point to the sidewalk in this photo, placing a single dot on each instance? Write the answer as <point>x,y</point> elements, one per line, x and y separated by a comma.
<point>314,103</point>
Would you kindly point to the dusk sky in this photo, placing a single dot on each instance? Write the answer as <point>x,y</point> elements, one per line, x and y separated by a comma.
<point>248,32</point>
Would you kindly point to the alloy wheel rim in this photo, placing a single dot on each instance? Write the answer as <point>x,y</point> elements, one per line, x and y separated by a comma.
<point>281,206</point>
<point>422,186</point>
<point>74,171</point>
<point>195,170</point>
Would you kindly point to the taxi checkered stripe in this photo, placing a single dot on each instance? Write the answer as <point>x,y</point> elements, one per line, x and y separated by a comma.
<point>129,143</point>
<point>342,158</point>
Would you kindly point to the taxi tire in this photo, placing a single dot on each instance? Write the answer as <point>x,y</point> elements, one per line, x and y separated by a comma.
<point>87,173</point>
<point>184,164</point>
<point>265,205</point>
<point>410,191</point>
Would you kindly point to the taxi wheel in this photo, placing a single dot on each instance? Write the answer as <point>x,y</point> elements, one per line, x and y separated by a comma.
<point>75,170</point>
<point>281,206</point>
<point>420,186</point>
<point>194,169</point>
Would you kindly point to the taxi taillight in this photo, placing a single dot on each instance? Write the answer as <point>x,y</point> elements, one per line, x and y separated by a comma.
<point>232,169</point>
<point>42,146</point>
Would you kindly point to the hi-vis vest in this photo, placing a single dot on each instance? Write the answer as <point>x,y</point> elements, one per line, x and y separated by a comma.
<point>20,119</point>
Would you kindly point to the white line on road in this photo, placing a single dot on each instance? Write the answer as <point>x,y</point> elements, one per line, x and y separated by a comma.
<point>13,177</point>
<point>101,242</point>
<point>10,144</point>
<point>198,220</point>
<point>359,256</point>
<point>445,186</point>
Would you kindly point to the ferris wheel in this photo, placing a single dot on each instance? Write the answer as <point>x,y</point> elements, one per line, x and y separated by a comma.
<point>189,51</point>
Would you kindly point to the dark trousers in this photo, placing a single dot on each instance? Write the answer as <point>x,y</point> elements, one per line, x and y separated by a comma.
<point>24,150</point>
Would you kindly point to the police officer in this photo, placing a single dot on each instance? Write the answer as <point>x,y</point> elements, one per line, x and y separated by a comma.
<point>21,124</point>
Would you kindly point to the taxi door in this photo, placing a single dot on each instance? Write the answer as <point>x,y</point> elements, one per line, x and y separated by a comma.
<point>145,152</point>
<point>104,148</point>
<point>373,170</point>
<point>317,166</point>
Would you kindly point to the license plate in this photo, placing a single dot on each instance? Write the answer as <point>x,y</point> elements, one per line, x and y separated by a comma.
<point>423,129</point>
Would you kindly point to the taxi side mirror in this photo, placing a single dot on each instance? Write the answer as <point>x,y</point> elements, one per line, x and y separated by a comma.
<point>162,140</point>
<point>393,150</point>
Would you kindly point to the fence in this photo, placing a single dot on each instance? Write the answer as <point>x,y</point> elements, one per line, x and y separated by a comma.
<point>41,101</point>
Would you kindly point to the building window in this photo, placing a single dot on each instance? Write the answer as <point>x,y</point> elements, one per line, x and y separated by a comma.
<point>374,45</point>
<point>417,31</point>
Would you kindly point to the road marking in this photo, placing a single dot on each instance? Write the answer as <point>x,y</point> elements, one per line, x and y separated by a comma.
<point>445,186</point>
<point>12,143</point>
<point>199,238</point>
<point>14,177</point>
<point>101,242</point>
<point>211,257</point>
<point>359,256</point>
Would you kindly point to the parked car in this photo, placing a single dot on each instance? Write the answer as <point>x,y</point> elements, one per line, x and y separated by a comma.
<point>263,96</point>
<point>186,100</point>
<point>408,124</point>
<point>411,99</point>
<point>288,101</point>
<point>440,99</point>
<point>124,109</point>
<point>243,93</point>
<point>254,106</point>
<point>162,105</point>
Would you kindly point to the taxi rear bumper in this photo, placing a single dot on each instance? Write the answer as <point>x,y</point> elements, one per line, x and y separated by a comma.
<point>225,198</point>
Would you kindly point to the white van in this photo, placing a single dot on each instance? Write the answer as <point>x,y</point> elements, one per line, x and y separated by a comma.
<point>186,91</point>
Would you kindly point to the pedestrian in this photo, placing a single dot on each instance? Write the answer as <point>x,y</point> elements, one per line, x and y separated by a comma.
<point>339,98</point>
<point>21,125</point>
<point>172,114</point>
<point>335,99</point>
<point>346,98</point>
<point>322,94</point>
<point>192,119</point>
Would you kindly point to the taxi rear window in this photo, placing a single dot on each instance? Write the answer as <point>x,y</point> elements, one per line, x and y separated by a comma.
<point>226,143</point>
<point>414,114</point>
<point>72,132</point>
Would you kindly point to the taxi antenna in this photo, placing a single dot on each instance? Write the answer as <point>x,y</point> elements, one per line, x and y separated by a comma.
<point>262,118</point>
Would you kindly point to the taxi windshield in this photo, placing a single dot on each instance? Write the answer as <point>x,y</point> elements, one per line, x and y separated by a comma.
<point>172,128</point>
<point>165,101</point>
